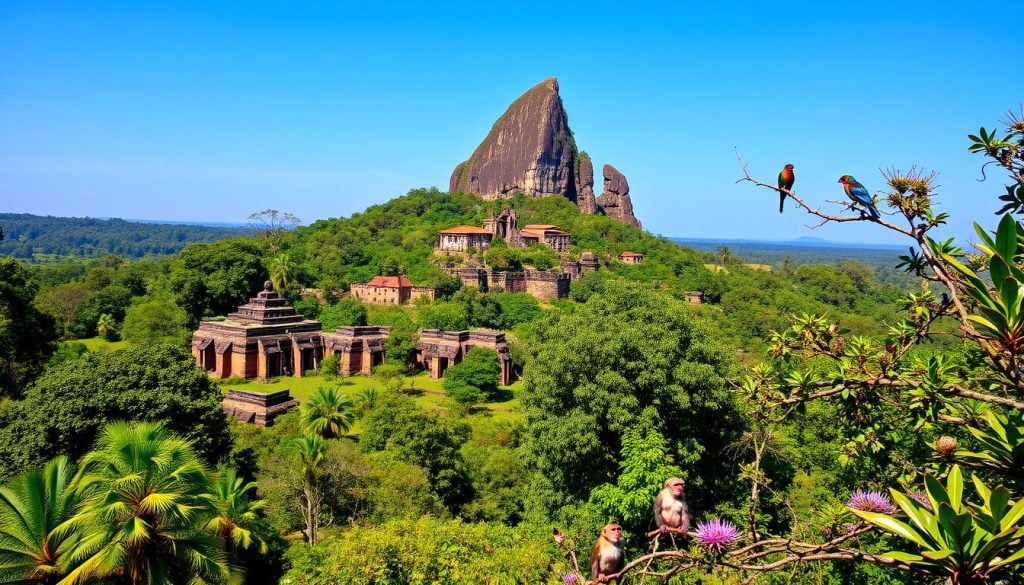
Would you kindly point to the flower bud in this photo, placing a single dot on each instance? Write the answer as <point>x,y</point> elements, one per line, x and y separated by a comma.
<point>945,446</point>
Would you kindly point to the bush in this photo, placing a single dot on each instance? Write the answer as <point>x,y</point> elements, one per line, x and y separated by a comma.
<point>473,378</point>
<point>330,367</point>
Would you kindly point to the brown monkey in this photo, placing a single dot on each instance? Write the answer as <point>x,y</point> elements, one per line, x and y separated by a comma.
<point>606,559</point>
<point>670,511</point>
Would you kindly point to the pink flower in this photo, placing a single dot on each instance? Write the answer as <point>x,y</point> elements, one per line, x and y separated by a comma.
<point>571,578</point>
<point>922,498</point>
<point>867,501</point>
<point>717,535</point>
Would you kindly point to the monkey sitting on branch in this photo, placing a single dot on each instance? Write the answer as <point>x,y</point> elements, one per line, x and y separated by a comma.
<point>606,558</point>
<point>670,510</point>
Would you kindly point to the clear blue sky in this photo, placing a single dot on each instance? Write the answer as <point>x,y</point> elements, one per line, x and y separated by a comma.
<point>207,111</point>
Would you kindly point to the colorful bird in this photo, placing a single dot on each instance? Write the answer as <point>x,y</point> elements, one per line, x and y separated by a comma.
<point>856,192</point>
<point>786,178</point>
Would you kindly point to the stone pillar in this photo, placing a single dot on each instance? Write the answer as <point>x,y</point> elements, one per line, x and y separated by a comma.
<point>296,359</point>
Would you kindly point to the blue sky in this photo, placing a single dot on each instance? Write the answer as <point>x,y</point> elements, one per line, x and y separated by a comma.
<point>208,111</point>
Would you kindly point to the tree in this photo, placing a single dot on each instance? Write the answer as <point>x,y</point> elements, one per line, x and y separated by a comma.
<point>273,227</point>
<point>33,546</point>
<point>144,516</point>
<point>27,336</point>
<point>106,327</point>
<point>327,414</point>
<point>236,513</point>
<point>311,453</point>
<point>155,321</point>
<point>474,377</point>
<point>213,279</point>
<point>64,303</point>
<point>347,311</point>
<point>630,357</point>
<point>281,272</point>
<point>64,411</point>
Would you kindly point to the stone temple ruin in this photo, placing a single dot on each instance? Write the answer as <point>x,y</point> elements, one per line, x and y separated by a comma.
<point>266,338</point>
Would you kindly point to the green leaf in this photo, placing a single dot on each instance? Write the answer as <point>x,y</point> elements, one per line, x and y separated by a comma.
<point>892,525</point>
<point>955,488</point>
<point>903,557</point>
<point>1006,237</point>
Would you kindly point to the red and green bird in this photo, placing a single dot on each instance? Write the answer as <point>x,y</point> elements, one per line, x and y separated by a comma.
<point>786,179</point>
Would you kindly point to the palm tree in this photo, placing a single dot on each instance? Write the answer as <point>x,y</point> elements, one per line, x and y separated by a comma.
<point>106,326</point>
<point>281,272</point>
<point>327,414</point>
<point>229,495</point>
<point>144,517</point>
<point>312,450</point>
<point>32,507</point>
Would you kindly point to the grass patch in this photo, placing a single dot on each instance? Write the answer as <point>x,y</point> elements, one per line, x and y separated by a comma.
<point>100,344</point>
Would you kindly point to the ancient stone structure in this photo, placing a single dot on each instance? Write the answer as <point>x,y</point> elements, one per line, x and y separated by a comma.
<point>544,285</point>
<point>577,268</point>
<point>631,258</point>
<point>547,234</point>
<point>257,408</point>
<point>390,290</point>
<point>694,297</point>
<point>462,238</point>
<point>505,226</point>
<point>615,200</point>
<point>531,150</point>
<point>264,338</point>
<point>439,350</point>
<point>585,185</point>
<point>359,348</point>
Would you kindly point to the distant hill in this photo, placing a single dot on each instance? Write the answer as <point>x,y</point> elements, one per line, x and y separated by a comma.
<point>43,238</point>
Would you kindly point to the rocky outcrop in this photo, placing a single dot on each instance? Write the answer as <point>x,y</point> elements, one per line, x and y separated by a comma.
<point>529,150</point>
<point>585,184</point>
<point>615,200</point>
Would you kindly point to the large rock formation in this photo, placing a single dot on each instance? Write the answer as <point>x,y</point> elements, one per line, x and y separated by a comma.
<point>585,185</point>
<point>531,150</point>
<point>615,200</point>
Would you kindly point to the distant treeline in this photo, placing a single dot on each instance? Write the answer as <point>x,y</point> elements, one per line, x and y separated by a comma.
<point>781,255</point>
<point>41,238</point>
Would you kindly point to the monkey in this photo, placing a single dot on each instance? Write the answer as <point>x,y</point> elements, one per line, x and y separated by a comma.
<point>606,559</point>
<point>670,510</point>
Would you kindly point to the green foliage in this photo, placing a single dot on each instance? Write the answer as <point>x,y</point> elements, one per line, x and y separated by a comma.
<point>1008,152</point>
<point>213,279</point>
<point>330,367</point>
<point>347,311</point>
<point>628,358</point>
<point>155,321</point>
<point>391,376</point>
<point>444,315</point>
<point>32,236</point>
<point>33,507</point>
<point>66,408</point>
<point>426,551</point>
<point>473,378</point>
<point>327,414</point>
<point>646,464</point>
<point>144,487</point>
<point>952,536</point>
<point>27,335</point>
<point>422,439</point>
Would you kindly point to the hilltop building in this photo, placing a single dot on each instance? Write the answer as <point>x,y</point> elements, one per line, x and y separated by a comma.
<point>390,290</point>
<point>631,258</point>
<point>549,235</point>
<point>462,238</point>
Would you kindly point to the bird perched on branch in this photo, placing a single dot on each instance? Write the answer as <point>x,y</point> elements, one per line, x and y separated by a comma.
<point>786,178</point>
<point>858,194</point>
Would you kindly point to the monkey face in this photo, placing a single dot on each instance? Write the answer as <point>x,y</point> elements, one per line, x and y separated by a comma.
<point>612,532</point>
<point>677,487</point>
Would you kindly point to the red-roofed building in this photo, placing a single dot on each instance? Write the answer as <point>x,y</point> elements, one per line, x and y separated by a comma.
<point>548,234</point>
<point>389,290</point>
<point>463,237</point>
<point>631,258</point>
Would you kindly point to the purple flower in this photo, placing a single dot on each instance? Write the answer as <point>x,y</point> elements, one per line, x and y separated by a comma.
<point>922,498</point>
<point>571,578</point>
<point>717,535</point>
<point>866,501</point>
